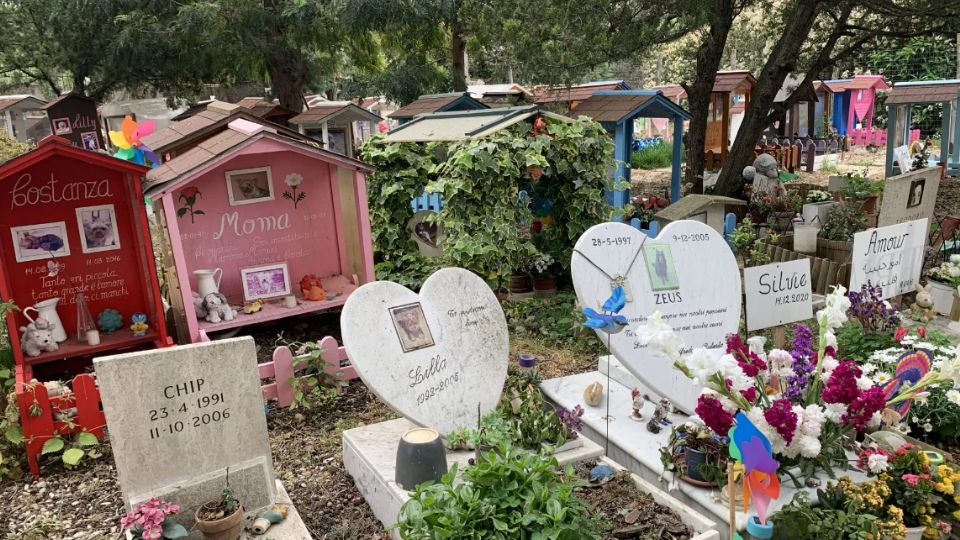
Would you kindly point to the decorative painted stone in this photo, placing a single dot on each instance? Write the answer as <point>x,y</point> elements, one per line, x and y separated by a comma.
<point>593,394</point>
<point>434,357</point>
<point>688,273</point>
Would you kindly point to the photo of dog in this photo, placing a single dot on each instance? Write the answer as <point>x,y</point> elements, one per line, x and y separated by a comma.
<point>98,228</point>
<point>43,241</point>
<point>249,186</point>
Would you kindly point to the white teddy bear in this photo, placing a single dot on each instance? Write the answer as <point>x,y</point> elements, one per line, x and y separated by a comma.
<point>38,338</point>
<point>217,308</point>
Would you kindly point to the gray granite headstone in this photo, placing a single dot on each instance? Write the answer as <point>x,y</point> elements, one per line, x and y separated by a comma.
<point>434,357</point>
<point>909,196</point>
<point>178,418</point>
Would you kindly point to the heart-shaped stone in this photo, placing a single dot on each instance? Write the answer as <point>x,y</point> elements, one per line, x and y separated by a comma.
<point>688,273</point>
<point>434,357</point>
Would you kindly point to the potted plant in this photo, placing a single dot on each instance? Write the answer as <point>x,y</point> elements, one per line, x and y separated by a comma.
<point>153,520</point>
<point>844,510</point>
<point>221,518</point>
<point>835,239</point>
<point>912,486</point>
<point>944,280</point>
<point>784,207</point>
<point>647,205</point>
<point>759,207</point>
<point>863,193</point>
<point>695,454</point>
<point>544,282</point>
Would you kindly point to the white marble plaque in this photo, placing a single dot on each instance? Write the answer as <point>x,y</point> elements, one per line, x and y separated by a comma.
<point>178,417</point>
<point>778,294</point>
<point>688,273</point>
<point>891,257</point>
<point>434,357</point>
<point>909,197</point>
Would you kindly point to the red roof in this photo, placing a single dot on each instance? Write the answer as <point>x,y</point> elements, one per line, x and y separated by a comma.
<point>9,101</point>
<point>732,81</point>
<point>863,82</point>
<point>573,93</point>
<point>672,91</point>
<point>426,104</point>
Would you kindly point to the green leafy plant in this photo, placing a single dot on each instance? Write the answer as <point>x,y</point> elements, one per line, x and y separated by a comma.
<point>494,431</point>
<point>316,386</point>
<point>846,512</point>
<point>751,249</point>
<point>554,321</point>
<point>533,422</point>
<point>842,222</point>
<point>513,496</point>
<point>860,185</point>
<point>72,453</point>
<point>224,505</point>
<point>654,156</point>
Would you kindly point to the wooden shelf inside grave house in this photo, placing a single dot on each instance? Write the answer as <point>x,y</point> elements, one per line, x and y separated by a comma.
<point>72,347</point>
<point>337,287</point>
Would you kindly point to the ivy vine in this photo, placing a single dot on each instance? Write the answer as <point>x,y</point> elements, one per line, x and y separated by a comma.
<point>486,223</point>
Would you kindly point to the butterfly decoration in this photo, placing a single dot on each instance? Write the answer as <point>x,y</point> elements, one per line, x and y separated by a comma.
<point>911,367</point>
<point>54,268</point>
<point>129,146</point>
<point>760,482</point>
<point>608,321</point>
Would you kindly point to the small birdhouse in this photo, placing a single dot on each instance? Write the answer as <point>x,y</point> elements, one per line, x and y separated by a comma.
<point>709,209</point>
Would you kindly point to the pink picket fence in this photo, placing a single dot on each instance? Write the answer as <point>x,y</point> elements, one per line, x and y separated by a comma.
<point>876,136</point>
<point>284,367</point>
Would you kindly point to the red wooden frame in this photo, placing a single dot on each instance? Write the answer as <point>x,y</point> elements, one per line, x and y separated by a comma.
<point>144,284</point>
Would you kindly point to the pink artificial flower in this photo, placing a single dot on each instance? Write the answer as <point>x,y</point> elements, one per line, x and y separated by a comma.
<point>781,417</point>
<point>901,333</point>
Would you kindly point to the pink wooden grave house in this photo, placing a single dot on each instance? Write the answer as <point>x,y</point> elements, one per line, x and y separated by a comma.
<point>263,211</point>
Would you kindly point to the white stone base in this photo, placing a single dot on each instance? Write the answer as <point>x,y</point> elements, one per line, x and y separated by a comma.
<point>370,454</point>
<point>639,450</point>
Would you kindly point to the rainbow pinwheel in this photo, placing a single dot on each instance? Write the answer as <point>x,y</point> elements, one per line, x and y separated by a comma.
<point>127,140</point>
<point>911,367</point>
<point>760,482</point>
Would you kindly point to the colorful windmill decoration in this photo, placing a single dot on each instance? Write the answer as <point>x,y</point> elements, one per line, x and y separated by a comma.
<point>760,482</point>
<point>608,321</point>
<point>911,367</point>
<point>129,146</point>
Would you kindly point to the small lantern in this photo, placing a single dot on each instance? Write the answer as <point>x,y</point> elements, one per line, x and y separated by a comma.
<point>528,363</point>
<point>420,457</point>
<point>805,236</point>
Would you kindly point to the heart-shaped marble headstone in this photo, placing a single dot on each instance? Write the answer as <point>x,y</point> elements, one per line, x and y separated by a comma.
<point>434,356</point>
<point>688,273</point>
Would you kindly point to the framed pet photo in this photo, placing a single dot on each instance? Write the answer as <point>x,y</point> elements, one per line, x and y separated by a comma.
<point>249,186</point>
<point>98,228</point>
<point>90,141</point>
<point>265,281</point>
<point>411,326</point>
<point>660,269</point>
<point>61,126</point>
<point>41,241</point>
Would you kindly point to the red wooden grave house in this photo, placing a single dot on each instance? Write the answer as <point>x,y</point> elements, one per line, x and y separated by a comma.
<point>73,223</point>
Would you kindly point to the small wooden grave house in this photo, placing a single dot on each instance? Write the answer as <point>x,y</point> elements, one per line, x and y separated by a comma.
<point>268,109</point>
<point>823,109</point>
<point>900,104</point>
<point>74,117</point>
<point>728,103</point>
<point>616,110</point>
<point>22,117</point>
<point>800,119</point>
<point>74,223</point>
<point>333,123</point>
<point>563,99</point>
<point>267,211</point>
<point>434,103</point>
<point>853,101</point>
<point>709,209</point>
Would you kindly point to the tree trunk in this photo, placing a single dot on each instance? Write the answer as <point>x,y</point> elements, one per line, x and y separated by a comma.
<point>458,49</point>
<point>288,76</point>
<point>782,61</point>
<point>709,57</point>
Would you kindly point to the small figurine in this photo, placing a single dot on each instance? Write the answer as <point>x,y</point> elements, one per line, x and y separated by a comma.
<point>217,308</point>
<point>922,308</point>
<point>637,405</point>
<point>601,474</point>
<point>252,307</point>
<point>38,338</point>
<point>110,320</point>
<point>139,326</point>
<point>660,416</point>
<point>312,288</point>
<point>593,394</point>
<point>608,321</point>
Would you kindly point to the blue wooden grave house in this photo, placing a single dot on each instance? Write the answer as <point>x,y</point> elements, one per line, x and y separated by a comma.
<point>900,103</point>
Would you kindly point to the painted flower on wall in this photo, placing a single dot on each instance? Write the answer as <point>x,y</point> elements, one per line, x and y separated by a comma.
<point>189,197</point>
<point>293,181</point>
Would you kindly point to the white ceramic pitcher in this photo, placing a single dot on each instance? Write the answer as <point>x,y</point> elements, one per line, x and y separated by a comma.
<point>47,310</point>
<point>208,281</point>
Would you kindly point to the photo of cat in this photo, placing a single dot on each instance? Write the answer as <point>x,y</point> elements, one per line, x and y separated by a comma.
<point>42,241</point>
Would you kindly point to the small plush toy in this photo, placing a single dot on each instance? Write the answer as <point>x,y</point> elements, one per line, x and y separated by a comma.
<point>38,338</point>
<point>139,326</point>
<point>217,308</point>
<point>312,288</point>
<point>922,308</point>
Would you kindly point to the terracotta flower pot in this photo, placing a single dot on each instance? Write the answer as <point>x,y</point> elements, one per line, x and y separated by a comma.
<point>227,528</point>
<point>519,283</point>
<point>545,285</point>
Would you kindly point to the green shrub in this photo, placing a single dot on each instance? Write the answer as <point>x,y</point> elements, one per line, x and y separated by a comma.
<point>554,321</point>
<point>512,495</point>
<point>655,156</point>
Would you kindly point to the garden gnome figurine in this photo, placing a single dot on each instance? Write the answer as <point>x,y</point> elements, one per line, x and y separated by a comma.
<point>637,404</point>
